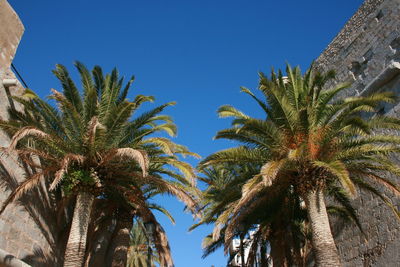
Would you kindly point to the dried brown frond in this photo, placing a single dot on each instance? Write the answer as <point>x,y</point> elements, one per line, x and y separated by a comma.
<point>64,168</point>
<point>28,152</point>
<point>216,233</point>
<point>391,186</point>
<point>57,95</point>
<point>270,170</point>
<point>29,161</point>
<point>238,217</point>
<point>223,219</point>
<point>91,129</point>
<point>138,155</point>
<point>162,246</point>
<point>61,100</point>
<point>27,131</point>
<point>249,195</point>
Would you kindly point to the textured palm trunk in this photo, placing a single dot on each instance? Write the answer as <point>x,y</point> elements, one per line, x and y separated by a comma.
<point>76,246</point>
<point>120,246</point>
<point>278,252</point>
<point>97,254</point>
<point>242,251</point>
<point>325,251</point>
<point>281,241</point>
<point>263,254</point>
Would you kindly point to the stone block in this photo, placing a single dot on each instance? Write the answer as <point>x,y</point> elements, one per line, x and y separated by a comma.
<point>12,247</point>
<point>366,37</point>
<point>3,241</point>
<point>10,33</point>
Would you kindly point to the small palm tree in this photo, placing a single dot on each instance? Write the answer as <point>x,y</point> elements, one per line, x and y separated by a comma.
<point>140,246</point>
<point>89,146</point>
<point>274,223</point>
<point>311,140</point>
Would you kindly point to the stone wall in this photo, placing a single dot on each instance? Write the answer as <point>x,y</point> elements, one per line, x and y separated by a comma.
<point>11,31</point>
<point>19,233</point>
<point>367,53</point>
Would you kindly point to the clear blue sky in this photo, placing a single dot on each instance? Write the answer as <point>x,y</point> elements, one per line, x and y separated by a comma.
<point>197,53</point>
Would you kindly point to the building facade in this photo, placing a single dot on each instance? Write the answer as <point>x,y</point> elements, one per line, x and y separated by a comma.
<point>366,53</point>
<point>20,236</point>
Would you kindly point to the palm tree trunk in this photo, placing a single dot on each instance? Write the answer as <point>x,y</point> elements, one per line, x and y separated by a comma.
<point>242,250</point>
<point>120,242</point>
<point>325,251</point>
<point>76,245</point>
<point>97,254</point>
<point>263,254</point>
<point>278,252</point>
<point>280,241</point>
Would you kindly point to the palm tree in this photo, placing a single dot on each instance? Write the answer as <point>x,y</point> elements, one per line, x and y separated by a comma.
<point>139,247</point>
<point>90,146</point>
<point>280,224</point>
<point>310,140</point>
<point>223,188</point>
<point>113,205</point>
<point>272,223</point>
<point>140,204</point>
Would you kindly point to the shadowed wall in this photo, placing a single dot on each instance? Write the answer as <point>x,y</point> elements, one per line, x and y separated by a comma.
<point>19,234</point>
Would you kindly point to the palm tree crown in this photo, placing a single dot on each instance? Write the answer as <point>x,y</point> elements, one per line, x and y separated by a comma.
<point>310,140</point>
<point>88,145</point>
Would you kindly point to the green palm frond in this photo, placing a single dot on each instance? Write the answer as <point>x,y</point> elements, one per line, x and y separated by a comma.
<point>235,155</point>
<point>96,140</point>
<point>70,91</point>
<point>339,170</point>
<point>230,111</point>
<point>328,143</point>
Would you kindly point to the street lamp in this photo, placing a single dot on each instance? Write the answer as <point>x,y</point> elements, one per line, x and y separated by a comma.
<point>149,226</point>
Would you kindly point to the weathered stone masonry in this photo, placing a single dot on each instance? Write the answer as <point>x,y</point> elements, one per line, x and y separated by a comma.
<point>366,53</point>
<point>19,235</point>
